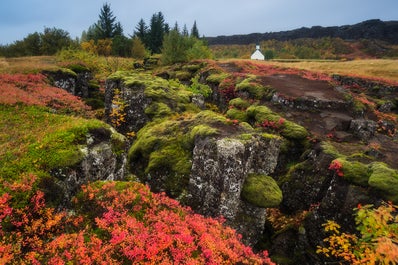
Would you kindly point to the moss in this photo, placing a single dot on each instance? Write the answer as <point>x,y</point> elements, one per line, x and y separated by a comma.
<point>385,180</point>
<point>198,88</point>
<point>158,110</point>
<point>236,114</point>
<point>202,130</point>
<point>118,142</point>
<point>255,89</point>
<point>68,72</point>
<point>329,149</point>
<point>217,78</point>
<point>355,172</point>
<point>245,136</point>
<point>183,75</point>
<point>210,117</point>
<point>78,68</point>
<point>270,136</point>
<point>261,113</point>
<point>262,191</point>
<point>292,130</point>
<point>246,126</point>
<point>239,103</point>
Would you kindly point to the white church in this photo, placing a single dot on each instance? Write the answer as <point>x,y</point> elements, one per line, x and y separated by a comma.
<point>257,55</point>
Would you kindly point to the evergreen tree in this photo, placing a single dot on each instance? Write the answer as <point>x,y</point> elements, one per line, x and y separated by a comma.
<point>195,31</point>
<point>174,48</point>
<point>185,31</point>
<point>106,25</point>
<point>141,31</point>
<point>156,32</point>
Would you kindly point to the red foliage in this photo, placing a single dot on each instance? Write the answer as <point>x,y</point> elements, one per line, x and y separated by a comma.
<point>31,89</point>
<point>337,166</point>
<point>118,223</point>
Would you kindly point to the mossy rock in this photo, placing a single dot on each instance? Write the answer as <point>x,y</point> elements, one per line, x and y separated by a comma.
<point>239,103</point>
<point>294,131</point>
<point>262,191</point>
<point>217,78</point>
<point>158,110</point>
<point>329,149</point>
<point>202,130</point>
<point>355,172</point>
<point>78,68</point>
<point>385,180</point>
<point>255,89</point>
<point>236,114</point>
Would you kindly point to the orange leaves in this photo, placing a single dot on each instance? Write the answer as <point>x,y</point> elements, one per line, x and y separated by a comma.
<point>119,222</point>
<point>377,243</point>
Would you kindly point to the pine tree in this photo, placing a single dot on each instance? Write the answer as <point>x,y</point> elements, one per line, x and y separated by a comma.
<point>156,32</point>
<point>141,31</point>
<point>185,31</point>
<point>195,31</point>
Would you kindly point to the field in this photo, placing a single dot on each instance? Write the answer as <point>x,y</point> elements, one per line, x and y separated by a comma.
<point>386,69</point>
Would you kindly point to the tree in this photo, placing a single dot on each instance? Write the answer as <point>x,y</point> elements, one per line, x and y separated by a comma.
<point>138,49</point>
<point>156,32</point>
<point>53,40</point>
<point>174,48</point>
<point>141,31</point>
<point>195,31</point>
<point>32,44</point>
<point>185,31</point>
<point>106,26</point>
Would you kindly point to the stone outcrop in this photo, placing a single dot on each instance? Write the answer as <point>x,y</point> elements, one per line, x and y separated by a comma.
<point>135,104</point>
<point>103,158</point>
<point>219,169</point>
<point>75,83</point>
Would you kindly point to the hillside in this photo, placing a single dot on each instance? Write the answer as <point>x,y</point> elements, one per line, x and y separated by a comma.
<point>370,29</point>
<point>206,162</point>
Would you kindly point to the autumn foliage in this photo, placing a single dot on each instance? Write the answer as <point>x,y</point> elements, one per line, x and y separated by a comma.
<point>115,223</point>
<point>32,89</point>
<point>376,242</point>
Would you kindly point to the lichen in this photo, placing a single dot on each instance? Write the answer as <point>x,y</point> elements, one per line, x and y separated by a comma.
<point>262,191</point>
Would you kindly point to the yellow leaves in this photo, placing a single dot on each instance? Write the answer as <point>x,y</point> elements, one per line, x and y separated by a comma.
<point>332,226</point>
<point>118,114</point>
<point>378,243</point>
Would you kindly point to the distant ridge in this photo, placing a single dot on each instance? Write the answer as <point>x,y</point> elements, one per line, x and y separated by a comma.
<point>369,29</point>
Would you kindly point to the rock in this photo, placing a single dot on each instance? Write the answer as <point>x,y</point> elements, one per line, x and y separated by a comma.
<point>75,83</point>
<point>363,129</point>
<point>199,100</point>
<point>135,104</point>
<point>104,158</point>
<point>219,170</point>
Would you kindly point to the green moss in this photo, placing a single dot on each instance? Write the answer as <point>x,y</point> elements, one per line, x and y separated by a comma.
<point>78,68</point>
<point>270,136</point>
<point>355,172</point>
<point>262,191</point>
<point>246,126</point>
<point>329,149</point>
<point>261,113</point>
<point>239,103</point>
<point>236,114</point>
<point>202,130</point>
<point>292,130</point>
<point>118,142</point>
<point>183,75</point>
<point>210,117</point>
<point>68,72</point>
<point>245,136</point>
<point>158,110</point>
<point>217,78</point>
<point>198,88</point>
<point>385,180</point>
<point>255,89</point>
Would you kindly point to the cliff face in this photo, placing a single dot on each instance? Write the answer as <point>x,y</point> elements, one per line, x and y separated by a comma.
<point>219,170</point>
<point>370,29</point>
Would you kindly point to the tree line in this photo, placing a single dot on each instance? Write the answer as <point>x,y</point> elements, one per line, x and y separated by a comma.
<point>106,37</point>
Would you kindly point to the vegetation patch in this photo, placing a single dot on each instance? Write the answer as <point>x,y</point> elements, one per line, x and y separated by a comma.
<point>254,88</point>
<point>385,180</point>
<point>262,191</point>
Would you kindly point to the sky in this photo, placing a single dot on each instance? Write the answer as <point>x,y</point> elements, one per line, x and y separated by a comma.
<point>18,18</point>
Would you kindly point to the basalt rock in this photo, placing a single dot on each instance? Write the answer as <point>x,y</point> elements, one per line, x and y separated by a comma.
<point>104,158</point>
<point>75,83</point>
<point>219,170</point>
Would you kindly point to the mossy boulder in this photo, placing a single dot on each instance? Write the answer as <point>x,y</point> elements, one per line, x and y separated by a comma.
<point>385,180</point>
<point>253,88</point>
<point>239,103</point>
<point>262,191</point>
<point>354,171</point>
<point>236,114</point>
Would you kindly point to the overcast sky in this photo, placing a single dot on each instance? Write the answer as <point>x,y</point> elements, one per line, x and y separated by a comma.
<point>18,18</point>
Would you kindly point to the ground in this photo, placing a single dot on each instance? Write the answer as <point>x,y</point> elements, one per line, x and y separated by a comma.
<point>323,123</point>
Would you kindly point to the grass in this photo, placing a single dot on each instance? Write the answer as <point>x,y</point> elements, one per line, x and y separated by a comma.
<point>386,69</point>
<point>33,140</point>
<point>32,64</point>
